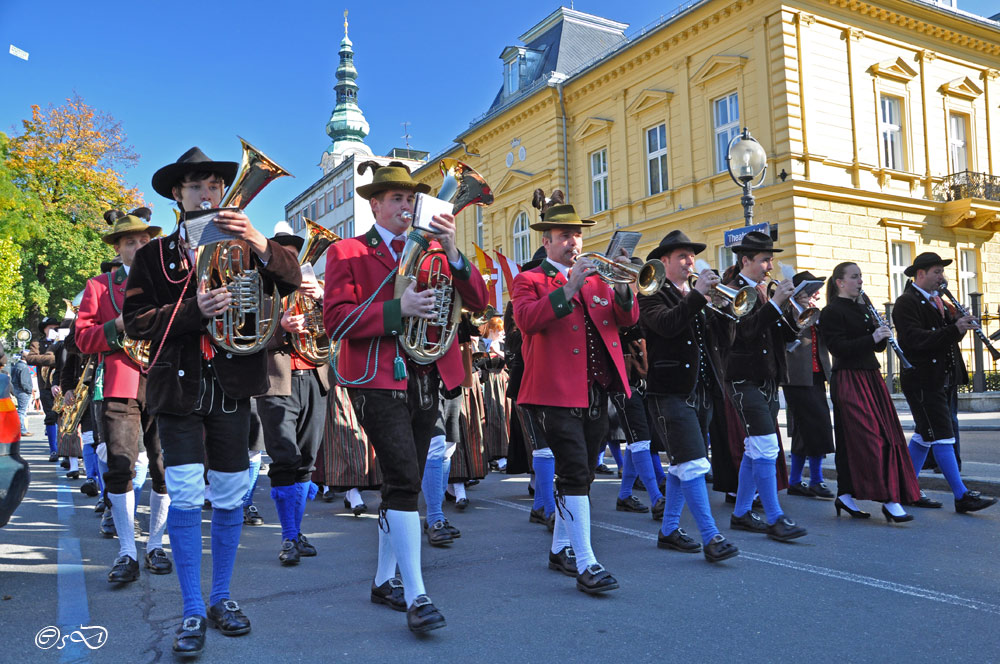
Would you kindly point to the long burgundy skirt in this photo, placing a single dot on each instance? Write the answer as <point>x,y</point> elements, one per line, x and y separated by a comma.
<point>346,460</point>
<point>872,458</point>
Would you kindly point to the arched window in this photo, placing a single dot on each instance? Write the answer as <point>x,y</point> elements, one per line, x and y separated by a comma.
<point>522,239</point>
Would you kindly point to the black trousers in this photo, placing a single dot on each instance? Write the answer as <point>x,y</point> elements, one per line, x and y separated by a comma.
<point>931,409</point>
<point>631,416</point>
<point>681,424</point>
<point>48,401</point>
<point>293,429</point>
<point>574,435</point>
<point>126,425</point>
<point>399,426</point>
<point>757,405</point>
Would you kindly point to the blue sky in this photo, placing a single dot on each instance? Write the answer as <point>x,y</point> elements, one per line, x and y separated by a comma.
<point>181,73</point>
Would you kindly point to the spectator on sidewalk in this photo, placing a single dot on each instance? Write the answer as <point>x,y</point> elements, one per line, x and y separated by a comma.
<point>20,378</point>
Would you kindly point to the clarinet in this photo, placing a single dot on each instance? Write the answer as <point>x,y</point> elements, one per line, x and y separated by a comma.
<point>994,353</point>
<point>891,339</point>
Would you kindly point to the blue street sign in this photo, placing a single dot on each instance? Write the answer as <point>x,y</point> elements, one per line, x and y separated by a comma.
<point>734,236</point>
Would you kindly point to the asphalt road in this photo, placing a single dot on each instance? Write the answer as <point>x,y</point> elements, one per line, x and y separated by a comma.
<point>851,591</point>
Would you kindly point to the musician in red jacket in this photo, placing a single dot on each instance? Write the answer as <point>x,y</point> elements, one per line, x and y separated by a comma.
<point>396,400</point>
<point>99,329</point>
<point>569,319</point>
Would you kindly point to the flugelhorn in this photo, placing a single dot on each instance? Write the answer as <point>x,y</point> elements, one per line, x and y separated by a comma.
<point>313,344</point>
<point>252,317</point>
<point>963,312</point>
<point>648,279</point>
<point>741,301</point>
<point>426,340</point>
<point>804,316</point>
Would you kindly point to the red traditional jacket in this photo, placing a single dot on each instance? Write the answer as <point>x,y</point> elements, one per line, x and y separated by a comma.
<point>555,334</point>
<point>355,269</point>
<point>96,333</point>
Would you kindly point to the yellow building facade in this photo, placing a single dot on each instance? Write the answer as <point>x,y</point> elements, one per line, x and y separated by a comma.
<point>881,120</point>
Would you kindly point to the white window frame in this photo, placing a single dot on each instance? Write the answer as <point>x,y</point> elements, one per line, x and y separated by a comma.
<point>725,257</point>
<point>479,226</point>
<point>512,75</point>
<point>891,132</point>
<point>656,157</point>
<point>522,239</point>
<point>968,275</point>
<point>725,127</point>
<point>599,199</point>
<point>958,143</point>
<point>900,257</point>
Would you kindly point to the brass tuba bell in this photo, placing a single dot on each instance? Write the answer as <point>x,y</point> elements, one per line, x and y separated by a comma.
<point>313,344</point>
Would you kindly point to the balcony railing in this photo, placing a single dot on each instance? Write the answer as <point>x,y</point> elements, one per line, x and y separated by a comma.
<point>968,184</point>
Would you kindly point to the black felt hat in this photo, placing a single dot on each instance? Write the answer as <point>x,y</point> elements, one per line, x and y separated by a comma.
<point>286,237</point>
<point>674,240</point>
<point>536,260</point>
<point>47,321</point>
<point>756,242</point>
<point>192,161</point>
<point>926,260</point>
<point>108,266</point>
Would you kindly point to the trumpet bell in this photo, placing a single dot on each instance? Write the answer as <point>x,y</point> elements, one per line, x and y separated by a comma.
<point>651,277</point>
<point>741,301</point>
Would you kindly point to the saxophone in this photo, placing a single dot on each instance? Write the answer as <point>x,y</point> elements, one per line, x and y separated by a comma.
<point>313,344</point>
<point>70,416</point>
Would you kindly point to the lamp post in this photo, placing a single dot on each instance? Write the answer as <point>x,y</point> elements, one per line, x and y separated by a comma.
<point>746,161</point>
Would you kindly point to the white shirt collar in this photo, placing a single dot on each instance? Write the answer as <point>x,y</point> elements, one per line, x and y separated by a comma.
<point>127,268</point>
<point>387,237</point>
<point>749,281</point>
<point>563,269</point>
<point>925,293</point>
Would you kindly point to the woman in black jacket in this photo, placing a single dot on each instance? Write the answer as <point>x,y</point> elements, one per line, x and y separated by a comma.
<point>872,459</point>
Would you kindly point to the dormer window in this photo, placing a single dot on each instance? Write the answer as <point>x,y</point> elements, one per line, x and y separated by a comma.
<point>512,75</point>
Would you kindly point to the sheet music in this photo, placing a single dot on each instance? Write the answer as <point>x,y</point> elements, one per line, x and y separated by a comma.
<point>201,229</point>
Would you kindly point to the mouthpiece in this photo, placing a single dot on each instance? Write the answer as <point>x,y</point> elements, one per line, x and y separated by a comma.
<point>406,215</point>
<point>205,205</point>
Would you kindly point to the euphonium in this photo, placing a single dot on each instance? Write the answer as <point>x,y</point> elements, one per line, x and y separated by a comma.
<point>69,418</point>
<point>253,315</point>
<point>137,350</point>
<point>426,340</point>
<point>313,344</point>
<point>648,279</point>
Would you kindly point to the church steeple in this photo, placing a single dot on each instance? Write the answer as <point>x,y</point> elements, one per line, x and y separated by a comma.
<point>347,126</point>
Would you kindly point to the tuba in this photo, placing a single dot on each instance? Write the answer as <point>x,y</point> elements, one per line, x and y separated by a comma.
<point>253,314</point>
<point>313,344</point>
<point>137,350</point>
<point>426,340</point>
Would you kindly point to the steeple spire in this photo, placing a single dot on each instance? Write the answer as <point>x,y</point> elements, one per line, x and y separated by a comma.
<point>347,126</point>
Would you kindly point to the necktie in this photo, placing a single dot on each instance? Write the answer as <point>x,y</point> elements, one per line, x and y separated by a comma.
<point>397,245</point>
<point>762,292</point>
<point>936,299</point>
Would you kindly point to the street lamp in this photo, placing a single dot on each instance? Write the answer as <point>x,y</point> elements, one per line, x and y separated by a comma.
<point>746,161</point>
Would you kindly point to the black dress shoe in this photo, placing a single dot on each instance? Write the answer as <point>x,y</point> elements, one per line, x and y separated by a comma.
<point>531,491</point>
<point>107,524</point>
<point>423,616</point>
<point>289,554</point>
<point>537,516</point>
<point>251,517</point>
<point>658,507</point>
<point>595,580</point>
<point>329,496</point>
<point>564,561</point>
<point>800,489</point>
<point>156,561</point>
<point>99,506</point>
<point>390,593</point>
<point>190,637</point>
<point>972,501</point>
<point>125,570</point>
<point>630,504</point>
<point>730,499</point>
<point>225,616</point>
<point>461,504</point>
<point>892,518</point>
<point>358,510</point>
<point>64,464</point>
<point>306,549</point>
<point>438,535</point>
<point>53,457</point>
<point>719,549</point>
<point>455,532</point>
<point>73,475</point>
<point>924,501</point>
<point>821,490</point>
<point>678,540</point>
<point>750,522</point>
<point>838,505</point>
<point>89,488</point>
<point>550,523</point>
<point>469,483</point>
<point>784,529</point>
<point>449,497</point>
<point>603,470</point>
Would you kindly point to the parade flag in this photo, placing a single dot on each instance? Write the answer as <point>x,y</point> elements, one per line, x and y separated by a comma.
<point>18,53</point>
<point>480,259</point>
<point>488,269</point>
<point>509,269</point>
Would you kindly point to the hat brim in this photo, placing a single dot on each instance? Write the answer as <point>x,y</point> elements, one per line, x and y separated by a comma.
<point>366,191</point>
<point>911,271</point>
<point>549,225</point>
<point>152,231</point>
<point>290,241</point>
<point>696,247</point>
<point>754,252</point>
<point>170,175</point>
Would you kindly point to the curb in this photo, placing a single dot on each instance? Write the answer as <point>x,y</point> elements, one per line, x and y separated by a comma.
<point>985,485</point>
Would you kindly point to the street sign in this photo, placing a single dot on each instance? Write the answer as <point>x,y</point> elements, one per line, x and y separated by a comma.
<point>734,236</point>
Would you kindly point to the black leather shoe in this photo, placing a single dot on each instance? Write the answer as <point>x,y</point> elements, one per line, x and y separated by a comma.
<point>658,507</point>
<point>537,516</point>
<point>73,475</point>
<point>564,561</point>
<point>390,593</point>
<point>156,561</point>
<point>455,532</point>
<point>730,499</point>
<point>839,504</point>
<point>800,489</point>
<point>972,501</point>
<point>595,580</point>
<point>449,497</point>
<point>821,490</point>
<point>190,637</point>
<point>53,457</point>
<point>531,491</point>
<point>289,554</point>
<point>924,501</point>
<point>99,506</point>
<point>630,504</point>
<point>550,523</point>
<point>720,549</point>
<point>604,470</point>
<point>892,518</point>
<point>251,517</point>
<point>423,616</point>
<point>750,522</point>
<point>784,529</point>
<point>306,549</point>
<point>330,496</point>
<point>107,524</point>
<point>225,616</point>
<point>89,488</point>
<point>438,535</point>
<point>678,540</point>
<point>125,570</point>
<point>356,511</point>
<point>64,464</point>
<point>461,503</point>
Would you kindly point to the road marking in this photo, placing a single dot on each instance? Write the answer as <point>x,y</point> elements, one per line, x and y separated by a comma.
<point>870,581</point>
<point>74,610</point>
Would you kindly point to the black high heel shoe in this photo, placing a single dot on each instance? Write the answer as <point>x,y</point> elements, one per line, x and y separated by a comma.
<point>855,514</point>
<point>890,517</point>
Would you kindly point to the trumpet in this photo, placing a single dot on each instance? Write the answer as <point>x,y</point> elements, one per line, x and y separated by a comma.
<point>648,279</point>
<point>804,316</point>
<point>882,322</point>
<point>741,301</point>
<point>963,312</point>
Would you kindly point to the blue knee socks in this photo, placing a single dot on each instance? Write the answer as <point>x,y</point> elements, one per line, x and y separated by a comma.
<point>918,454</point>
<point>674,505</point>
<point>815,470</point>
<point>696,495</point>
<point>616,452</point>
<point>286,501</point>
<point>307,490</point>
<point>795,472</point>
<point>185,543</point>
<point>766,478</point>
<point>90,461</point>
<point>657,466</point>
<point>545,471</point>
<point>946,461</point>
<point>643,465</point>
<point>433,488</point>
<point>747,487</point>
<point>52,434</point>
<point>628,476</point>
<point>226,528</point>
<point>254,475</point>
